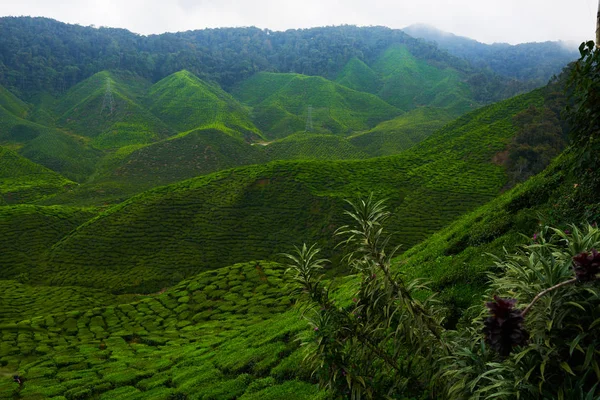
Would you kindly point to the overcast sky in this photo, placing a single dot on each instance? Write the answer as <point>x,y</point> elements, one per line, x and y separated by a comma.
<point>512,21</point>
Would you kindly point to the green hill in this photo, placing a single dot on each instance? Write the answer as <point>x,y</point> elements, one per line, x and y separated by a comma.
<point>255,212</point>
<point>12,103</point>
<point>185,102</point>
<point>23,181</point>
<point>409,82</point>
<point>184,156</point>
<point>29,232</point>
<point>104,107</point>
<point>66,154</point>
<point>15,131</point>
<point>403,132</point>
<point>359,76</point>
<point>306,146</point>
<point>281,105</point>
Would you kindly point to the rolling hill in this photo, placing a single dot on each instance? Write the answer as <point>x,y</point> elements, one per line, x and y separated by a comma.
<point>403,132</point>
<point>307,146</point>
<point>280,105</point>
<point>185,102</point>
<point>105,108</point>
<point>23,181</point>
<point>409,82</point>
<point>359,76</point>
<point>262,209</point>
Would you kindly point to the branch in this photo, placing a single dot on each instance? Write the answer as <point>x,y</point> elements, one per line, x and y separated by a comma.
<point>544,292</point>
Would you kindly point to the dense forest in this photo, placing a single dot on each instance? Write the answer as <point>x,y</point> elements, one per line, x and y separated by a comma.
<point>38,54</point>
<point>526,61</point>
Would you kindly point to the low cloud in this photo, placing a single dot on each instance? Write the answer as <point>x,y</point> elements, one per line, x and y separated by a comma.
<point>512,21</point>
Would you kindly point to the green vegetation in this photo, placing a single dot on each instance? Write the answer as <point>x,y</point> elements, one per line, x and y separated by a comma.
<point>390,340</point>
<point>184,156</point>
<point>307,146</point>
<point>403,132</point>
<point>409,82</point>
<point>29,232</point>
<point>359,76</point>
<point>185,102</point>
<point>86,110</point>
<point>224,334</point>
<point>260,209</point>
<point>280,105</point>
<point>9,102</point>
<point>22,181</point>
<point>117,287</point>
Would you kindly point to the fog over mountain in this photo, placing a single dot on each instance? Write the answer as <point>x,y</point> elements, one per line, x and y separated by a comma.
<point>509,21</point>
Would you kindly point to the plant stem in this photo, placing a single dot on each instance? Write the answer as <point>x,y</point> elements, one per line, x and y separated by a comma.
<point>543,292</point>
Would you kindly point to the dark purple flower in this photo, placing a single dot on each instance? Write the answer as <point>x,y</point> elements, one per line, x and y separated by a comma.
<point>316,328</point>
<point>567,232</point>
<point>535,236</point>
<point>504,329</point>
<point>586,265</point>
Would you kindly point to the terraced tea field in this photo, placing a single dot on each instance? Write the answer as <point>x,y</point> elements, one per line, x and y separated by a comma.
<point>225,334</point>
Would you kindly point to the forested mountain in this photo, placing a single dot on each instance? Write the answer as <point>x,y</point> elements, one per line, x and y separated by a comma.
<point>38,54</point>
<point>536,62</point>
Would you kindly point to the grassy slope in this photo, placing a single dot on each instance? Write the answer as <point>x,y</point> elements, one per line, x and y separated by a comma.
<point>306,146</point>
<point>281,103</point>
<point>403,132</point>
<point>224,334</point>
<point>67,154</point>
<point>256,212</point>
<point>185,102</point>
<point>359,76</point>
<point>24,181</point>
<point>82,110</point>
<point>184,156</point>
<point>29,231</point>
<point>409,82</point>
<point>12,103</point>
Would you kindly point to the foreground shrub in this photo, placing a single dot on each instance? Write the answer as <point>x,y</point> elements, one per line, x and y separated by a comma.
<point>538,338</point>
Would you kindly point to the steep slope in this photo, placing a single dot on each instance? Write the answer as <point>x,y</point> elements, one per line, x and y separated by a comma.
<point>306,146</point>
<point>409,82</point>
<point>12,103</point>
<point>185,102</point>
<point>66,154</point>
<point>281,107</point>
<point>359,76</point>
<point>105,108</point>
<point>24,181</point>
<point>403,132</point>
<point>256,212</point>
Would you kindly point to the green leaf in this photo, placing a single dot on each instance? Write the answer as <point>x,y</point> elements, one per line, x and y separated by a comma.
<point>567,368</point>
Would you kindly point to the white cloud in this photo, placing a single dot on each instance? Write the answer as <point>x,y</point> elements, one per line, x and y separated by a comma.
<point>512,21</point>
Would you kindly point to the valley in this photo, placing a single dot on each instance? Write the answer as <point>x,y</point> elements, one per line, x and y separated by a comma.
<point>149,194</point>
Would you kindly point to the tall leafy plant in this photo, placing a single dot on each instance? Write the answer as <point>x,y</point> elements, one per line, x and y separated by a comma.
<point>538,338</point>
